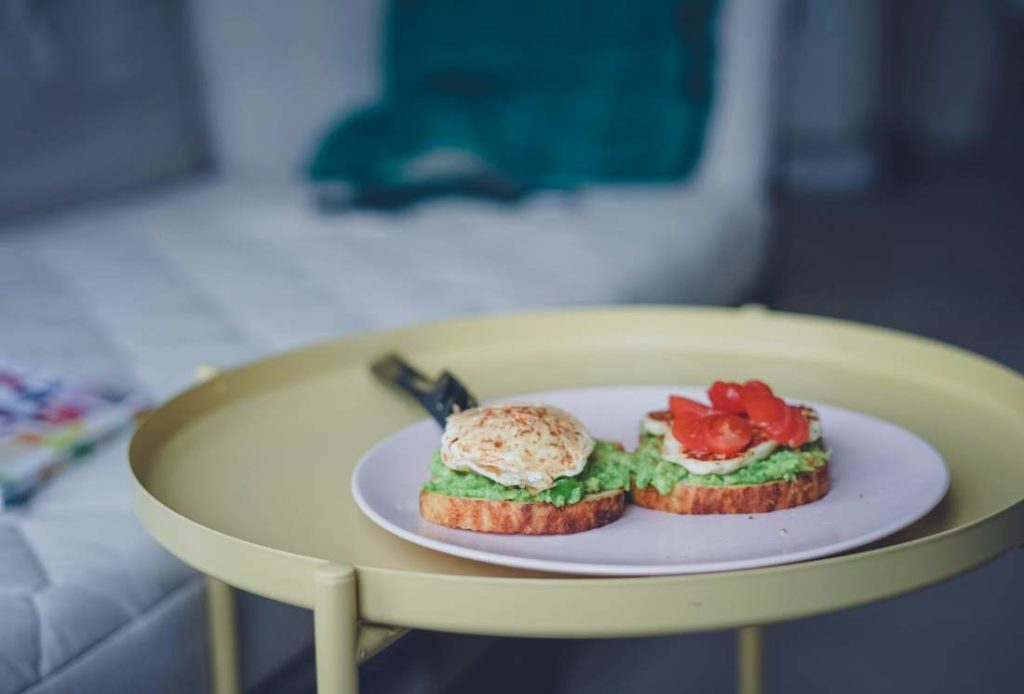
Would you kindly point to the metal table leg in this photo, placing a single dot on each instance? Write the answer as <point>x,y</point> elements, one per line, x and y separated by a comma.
<point>748,665</point>
<point>220,612</point>
<point>220,609</point>
<point>335,629</point>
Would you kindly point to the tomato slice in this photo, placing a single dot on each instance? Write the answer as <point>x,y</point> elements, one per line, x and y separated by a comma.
<point>779,430</point>
<point>726,397</point>
<point>801,432</point>
<point>756,387</point>
<point>680,405</point>
<point>791,430</point>
<point>688,430</point>
<point>726,433</point>
<point>766,410</point>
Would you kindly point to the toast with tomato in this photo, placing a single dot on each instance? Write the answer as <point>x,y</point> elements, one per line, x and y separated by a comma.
<point>748,451</point>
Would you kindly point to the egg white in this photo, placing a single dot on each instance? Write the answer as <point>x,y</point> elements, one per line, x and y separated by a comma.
<point>516,445</point>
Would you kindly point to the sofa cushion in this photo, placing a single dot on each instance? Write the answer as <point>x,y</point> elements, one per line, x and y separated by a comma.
<point>76,566</point>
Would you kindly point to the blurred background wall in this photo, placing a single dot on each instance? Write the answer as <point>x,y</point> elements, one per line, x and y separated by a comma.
<point>868,79</point>
<point>336,46</point>
<point>107,95</point>
<point>95,98</point>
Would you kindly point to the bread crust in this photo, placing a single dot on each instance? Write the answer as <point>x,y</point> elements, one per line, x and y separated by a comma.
<point>522,518</point>
<point>753,498</point>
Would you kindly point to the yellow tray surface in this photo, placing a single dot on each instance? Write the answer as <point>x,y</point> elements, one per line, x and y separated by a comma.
<point>246,476</point>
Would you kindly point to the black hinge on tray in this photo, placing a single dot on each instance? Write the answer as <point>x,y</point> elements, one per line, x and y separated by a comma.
<point>440,396</point>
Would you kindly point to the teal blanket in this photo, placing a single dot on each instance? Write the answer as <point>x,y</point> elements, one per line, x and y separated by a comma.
<point>532,94</point>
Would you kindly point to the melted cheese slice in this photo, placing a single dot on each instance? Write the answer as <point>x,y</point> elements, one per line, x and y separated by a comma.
<point>658,427</point>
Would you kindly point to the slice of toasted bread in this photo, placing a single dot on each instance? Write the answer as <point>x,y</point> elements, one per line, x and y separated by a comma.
<point>751,498</point>
<point>522,518</point>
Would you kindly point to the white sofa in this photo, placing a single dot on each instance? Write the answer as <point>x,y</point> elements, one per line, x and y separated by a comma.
<point>238,265</point>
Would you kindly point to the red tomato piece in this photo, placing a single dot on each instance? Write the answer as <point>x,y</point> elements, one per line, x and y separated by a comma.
<point>680,405</point>
<point>782,428</point>
<point>766,410</point>
<point>726,433</point>
<point>792,430</point>
<point>661,415</point>
<point>757,387</point>
<point>688,429</point>
<point>801,432</point>
<point>726,397</point>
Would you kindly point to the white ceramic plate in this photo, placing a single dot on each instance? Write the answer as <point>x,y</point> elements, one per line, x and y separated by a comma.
<point>883,479</point>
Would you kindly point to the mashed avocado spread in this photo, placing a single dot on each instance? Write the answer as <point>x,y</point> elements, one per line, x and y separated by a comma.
<point>609,468</point>
<point>784,464</point>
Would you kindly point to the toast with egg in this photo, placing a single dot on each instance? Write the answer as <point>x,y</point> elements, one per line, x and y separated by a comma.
<point>523,469</point>
<point>746,452</point>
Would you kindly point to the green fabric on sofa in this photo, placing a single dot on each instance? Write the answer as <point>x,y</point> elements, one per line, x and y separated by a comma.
<point>531,94</point>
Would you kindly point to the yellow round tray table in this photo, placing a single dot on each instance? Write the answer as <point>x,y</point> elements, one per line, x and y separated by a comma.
<point>246,477</point>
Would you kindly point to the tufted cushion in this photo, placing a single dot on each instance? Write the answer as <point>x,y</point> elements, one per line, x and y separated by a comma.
<point>74,567</point>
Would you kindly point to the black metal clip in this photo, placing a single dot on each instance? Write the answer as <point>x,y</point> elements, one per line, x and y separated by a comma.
<point>439,397</point>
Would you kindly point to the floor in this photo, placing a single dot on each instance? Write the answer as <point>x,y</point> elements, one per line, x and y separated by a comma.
<point>941,258</point>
